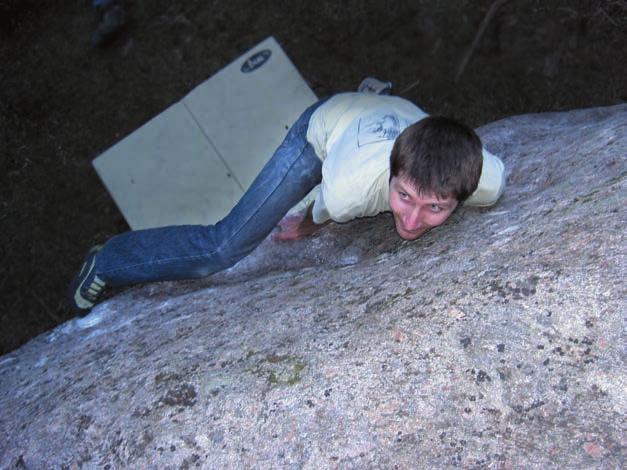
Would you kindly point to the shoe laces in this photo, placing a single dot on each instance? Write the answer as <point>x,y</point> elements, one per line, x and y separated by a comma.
<point>94,290</point>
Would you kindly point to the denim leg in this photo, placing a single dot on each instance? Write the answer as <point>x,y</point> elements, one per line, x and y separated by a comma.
<point>192,251</point>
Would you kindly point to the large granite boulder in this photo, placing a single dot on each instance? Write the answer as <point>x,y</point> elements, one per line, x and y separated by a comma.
<point>495,341</point>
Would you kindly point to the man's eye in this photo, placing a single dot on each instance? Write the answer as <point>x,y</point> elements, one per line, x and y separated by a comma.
<point>403,195</point>
<point>435,208</point>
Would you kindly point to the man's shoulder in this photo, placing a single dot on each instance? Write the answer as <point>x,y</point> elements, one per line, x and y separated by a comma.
<point>339,111</point>
<point>361,119</point>
<point>367,101</point>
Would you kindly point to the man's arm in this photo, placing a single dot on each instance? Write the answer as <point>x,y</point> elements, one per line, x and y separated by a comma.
<point>298,226</point>
<point>491,184</point>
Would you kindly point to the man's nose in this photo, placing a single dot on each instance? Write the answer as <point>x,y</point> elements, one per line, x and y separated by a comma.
<point>412,220</point>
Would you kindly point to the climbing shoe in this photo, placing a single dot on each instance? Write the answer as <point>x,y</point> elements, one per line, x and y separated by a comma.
<point>377,87</point>
<point>86,287</point>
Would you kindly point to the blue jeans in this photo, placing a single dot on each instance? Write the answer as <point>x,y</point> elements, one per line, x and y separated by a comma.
<point>193,251</point>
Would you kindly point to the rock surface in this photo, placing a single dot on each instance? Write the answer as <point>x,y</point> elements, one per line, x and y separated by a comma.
<point>493,342</point>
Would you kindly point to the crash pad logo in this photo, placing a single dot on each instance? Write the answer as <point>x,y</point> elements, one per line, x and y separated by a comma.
<point>256,60</point>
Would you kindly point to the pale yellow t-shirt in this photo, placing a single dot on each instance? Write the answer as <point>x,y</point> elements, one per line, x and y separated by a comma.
<point>353,135</point>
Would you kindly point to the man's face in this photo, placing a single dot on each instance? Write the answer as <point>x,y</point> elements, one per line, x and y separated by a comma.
<point>415,213</point>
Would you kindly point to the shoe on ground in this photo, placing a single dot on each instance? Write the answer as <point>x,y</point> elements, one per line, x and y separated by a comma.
<point>86,288</point>
<point>113,19</point>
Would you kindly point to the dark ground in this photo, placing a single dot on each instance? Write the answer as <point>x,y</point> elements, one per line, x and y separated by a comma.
<point>63,102</point>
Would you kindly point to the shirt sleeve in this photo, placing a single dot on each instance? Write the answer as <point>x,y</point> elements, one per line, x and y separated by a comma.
<point>351,191</point>
<point>320,213</point>
<point>338,200</point>
<point>491,182</point>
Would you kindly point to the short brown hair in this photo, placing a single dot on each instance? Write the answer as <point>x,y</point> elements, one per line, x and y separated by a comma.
<point>439,155</point>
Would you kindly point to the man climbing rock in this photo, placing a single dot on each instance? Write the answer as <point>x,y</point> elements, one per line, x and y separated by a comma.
<point>369,152</point>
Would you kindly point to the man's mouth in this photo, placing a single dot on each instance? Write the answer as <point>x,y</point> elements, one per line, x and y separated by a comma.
<point>416,230</point>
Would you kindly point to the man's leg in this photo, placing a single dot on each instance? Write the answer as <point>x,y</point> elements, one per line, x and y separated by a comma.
<point>192,251</point>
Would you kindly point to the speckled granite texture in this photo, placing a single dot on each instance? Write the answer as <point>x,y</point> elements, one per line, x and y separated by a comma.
<point>495,341</point>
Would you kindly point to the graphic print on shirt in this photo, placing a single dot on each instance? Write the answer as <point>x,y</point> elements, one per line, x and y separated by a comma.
<point>377,128</point>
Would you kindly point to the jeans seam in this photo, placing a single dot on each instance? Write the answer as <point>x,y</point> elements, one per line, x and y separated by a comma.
<point>241,227</point>
<point>216,250</point>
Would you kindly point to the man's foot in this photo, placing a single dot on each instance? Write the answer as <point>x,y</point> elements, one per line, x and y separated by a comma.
<point>372,85</point>
<point>86,287</point>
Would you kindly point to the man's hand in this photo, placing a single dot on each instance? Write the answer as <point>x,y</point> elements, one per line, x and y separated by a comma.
<point>297,226</point>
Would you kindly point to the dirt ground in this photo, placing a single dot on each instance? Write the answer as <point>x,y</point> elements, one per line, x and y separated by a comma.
<point>63,102</point>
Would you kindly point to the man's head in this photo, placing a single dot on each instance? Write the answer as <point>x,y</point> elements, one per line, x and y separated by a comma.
<point>435,164</point>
